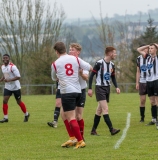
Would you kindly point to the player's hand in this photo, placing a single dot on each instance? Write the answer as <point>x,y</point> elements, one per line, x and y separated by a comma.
<point>90,92</point>
<point>6,80</point>
<point>81,72</point>
<point>137,86</point>
<point>118,91</point>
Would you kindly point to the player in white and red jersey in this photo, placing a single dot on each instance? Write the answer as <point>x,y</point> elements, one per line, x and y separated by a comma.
<point>141,81</point>
<point>152,78</point>
<point>75,50</point>
<point>66,69</point>
<point>11,78</point>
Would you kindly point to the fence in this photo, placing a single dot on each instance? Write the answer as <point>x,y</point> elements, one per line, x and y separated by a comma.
<point>46,89</point>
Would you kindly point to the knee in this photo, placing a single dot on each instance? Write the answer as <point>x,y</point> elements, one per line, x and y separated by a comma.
<point>98,112</point>
<point>78,117</point>
<point>58,104</point>
<point>142,102</point>
<point>5,101</point>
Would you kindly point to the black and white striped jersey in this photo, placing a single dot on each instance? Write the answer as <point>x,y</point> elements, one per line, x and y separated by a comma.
<point>104,71</point>
<point>142,64</point>
<point>152,68</point>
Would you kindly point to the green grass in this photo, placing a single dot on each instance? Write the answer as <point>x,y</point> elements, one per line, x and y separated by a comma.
<point>35,140</point>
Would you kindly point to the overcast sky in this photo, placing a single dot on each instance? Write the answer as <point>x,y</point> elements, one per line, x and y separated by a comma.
<point>86,8</point>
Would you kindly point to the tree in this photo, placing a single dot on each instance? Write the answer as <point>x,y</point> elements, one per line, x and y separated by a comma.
<point>151,34</point>
<point>27,29</point>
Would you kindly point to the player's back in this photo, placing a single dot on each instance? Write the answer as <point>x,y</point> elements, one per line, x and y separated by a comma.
<point>67,68</point>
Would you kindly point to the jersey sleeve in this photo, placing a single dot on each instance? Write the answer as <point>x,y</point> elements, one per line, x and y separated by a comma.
<point>15,71</point>
<point>85,72</point>
<point>84,65</point>
<point>113,78</point>
<point>94,72</point>
<point>53,72</point>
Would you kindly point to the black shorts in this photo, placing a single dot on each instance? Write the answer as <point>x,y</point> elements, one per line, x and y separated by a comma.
<point>69,101</point>
<point>102,93</point>
<point>58,95</point>
<point>152,88</point>
<point>17,93</point>
<point>82,100</point>
<point>142,89</point>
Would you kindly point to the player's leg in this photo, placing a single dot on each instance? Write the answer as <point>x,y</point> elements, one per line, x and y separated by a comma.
<point>153,110</point>
<point>17,95</point>
<point>156,99</point>
<point>58,105</point>
<point>79,111</point>
<point>106,117</point>
<point>72,140</point>
<point>97,117</point>
<point>142,107</point>
<point>69,104</point>
<point>150,91</point>
<point>6,96</point>
<point>142,93</point>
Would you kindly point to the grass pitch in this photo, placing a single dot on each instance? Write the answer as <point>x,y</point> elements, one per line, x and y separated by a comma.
<point>36,140</point>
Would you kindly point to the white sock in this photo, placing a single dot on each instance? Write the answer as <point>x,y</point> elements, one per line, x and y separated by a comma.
<point>26,114</point>
<point>6,116</point>
<point>154,120</point>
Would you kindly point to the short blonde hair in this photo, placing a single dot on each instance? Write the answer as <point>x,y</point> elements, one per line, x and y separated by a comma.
<point>76,46</point>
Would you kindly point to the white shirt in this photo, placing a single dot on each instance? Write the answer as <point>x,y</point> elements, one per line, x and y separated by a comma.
<point>66,69</point>
<point>82,82</point>
<point>152,69</point>
<point>142,64</point>
<point>11,71</point>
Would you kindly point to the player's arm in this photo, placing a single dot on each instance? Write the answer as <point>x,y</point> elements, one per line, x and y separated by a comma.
<point>137,78</point>
<point>84,65</point>
<point>16,73</point>
<point>84,74</point>
<point>90,92</point>
<point>94,72</point>
<point>141,50</point>
<point>113,78</point>
<point>53,73</point>
<point>2,79</point>
<point>12,79</point>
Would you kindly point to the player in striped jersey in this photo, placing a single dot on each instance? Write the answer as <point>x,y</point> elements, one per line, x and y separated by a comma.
<point>11,78</point>
<point>104,70</point>
<point>141,81</point>
<point>66,69</point>
<point>151,77</point>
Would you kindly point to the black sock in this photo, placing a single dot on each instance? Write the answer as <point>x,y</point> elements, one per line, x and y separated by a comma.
<point>154,111</point>
<point>108,121</point>
<point>96,122</point>
<point>142,112</point>
<point>56,113</point>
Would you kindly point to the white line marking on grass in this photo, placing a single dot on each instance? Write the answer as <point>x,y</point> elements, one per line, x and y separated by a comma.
<point>117,145</point>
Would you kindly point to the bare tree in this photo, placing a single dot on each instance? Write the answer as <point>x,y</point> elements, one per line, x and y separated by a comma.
<point>27,28</point>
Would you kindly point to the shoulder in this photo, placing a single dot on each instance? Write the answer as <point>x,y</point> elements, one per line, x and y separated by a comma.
<point>100,61</point>
<point>2,65</point>
<point>112,63</point>
<point>140,56</point>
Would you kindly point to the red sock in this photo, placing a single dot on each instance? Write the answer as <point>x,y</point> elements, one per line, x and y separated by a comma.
<point>22,106</point>
<point>76,130</point>
<point>5,109</point>
<point>68,128</point>
<point>81,125</point>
